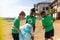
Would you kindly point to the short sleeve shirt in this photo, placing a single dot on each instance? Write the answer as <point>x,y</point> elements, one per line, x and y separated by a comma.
<point>16,23</point>
<point>47,21</point>
<point>30,20</point>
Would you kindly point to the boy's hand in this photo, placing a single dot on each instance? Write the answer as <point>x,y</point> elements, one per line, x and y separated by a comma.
<point>44,27</point>
<point>32,37</point>
<point>54,20</point>
<point>19,31</point>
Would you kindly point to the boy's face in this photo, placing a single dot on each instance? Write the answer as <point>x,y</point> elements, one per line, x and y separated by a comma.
<point>31,14</point>
<point>21,16</point>
<point>42,15</point>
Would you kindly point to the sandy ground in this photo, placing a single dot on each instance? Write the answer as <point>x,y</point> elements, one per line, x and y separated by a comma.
<point>39,32</point>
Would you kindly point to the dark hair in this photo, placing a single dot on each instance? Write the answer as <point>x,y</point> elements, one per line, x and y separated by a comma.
<point>22,13</point>
<point>42,12</point>
<point>33,10</point>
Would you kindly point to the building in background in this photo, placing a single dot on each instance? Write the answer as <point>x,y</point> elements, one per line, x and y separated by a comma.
<point>42,6</point>
<point>58,9</point>
<point>47,6</point>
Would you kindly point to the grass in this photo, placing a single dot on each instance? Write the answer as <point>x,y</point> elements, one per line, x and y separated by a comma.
<point>5,32</point>
<point>1,25</point>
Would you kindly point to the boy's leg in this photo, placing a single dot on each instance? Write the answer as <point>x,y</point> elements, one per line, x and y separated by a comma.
<point>51,38</point>
<point>32,38</point>
<point>15,36</point>
<point>46,38</point>
<point>49,35</point>
<point>52,34</point>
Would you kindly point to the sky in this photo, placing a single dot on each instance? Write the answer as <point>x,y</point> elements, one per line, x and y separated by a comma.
<point>11,8</point>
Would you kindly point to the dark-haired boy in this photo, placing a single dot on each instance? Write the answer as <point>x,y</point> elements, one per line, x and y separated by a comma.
<point>47,23</point>
<point>31,19</point>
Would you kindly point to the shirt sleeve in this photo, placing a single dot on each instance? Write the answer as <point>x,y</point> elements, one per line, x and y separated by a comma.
<point>34,21</point>
<point>16,22</point>
<point>52,18</point>
<point>27,19</point>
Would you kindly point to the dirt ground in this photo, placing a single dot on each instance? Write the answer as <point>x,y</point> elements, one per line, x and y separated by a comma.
<point>39,32</point>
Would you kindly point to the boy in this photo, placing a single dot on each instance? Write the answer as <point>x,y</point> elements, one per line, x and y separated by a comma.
<point>27,32</point>
<point>16,25</point>
<point>47,23</point>
<point>31,19</point>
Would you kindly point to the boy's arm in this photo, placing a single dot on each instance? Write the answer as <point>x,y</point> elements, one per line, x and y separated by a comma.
<point>17,29</point>
<point>43,24</point>
<point>54,20</point>
<point>34,20</point>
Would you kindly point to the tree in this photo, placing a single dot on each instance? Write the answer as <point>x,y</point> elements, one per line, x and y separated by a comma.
<point>52,11</point>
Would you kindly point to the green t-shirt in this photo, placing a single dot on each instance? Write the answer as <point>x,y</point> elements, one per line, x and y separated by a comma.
<point>16,23</point>
<point>47,21</point>
<point>30,20</point>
